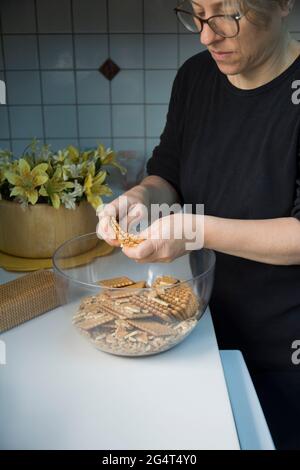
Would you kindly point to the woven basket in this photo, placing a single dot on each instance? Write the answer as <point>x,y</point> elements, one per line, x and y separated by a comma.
<point>27,297</point>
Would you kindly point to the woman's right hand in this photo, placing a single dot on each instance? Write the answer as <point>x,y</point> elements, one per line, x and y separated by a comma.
<point>131,207</point>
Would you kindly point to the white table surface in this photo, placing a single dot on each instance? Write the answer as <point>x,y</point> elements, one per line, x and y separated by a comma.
<point>58,392</point>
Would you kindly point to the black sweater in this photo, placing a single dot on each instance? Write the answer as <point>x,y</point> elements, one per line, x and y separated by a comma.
<point>237,152</point>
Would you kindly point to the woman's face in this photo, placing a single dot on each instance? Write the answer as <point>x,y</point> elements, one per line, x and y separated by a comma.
<point>253,45</point>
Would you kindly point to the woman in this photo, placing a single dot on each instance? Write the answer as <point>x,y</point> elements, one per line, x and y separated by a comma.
<point>231,142</point>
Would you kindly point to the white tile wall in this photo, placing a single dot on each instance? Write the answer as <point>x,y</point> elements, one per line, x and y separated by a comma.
<point>23,22</point>
<point>54,16</point>
<point>127,50</point>
<point>158,16</point>
<point>92,87</point>
<point>125,16</point>
<point>90,16</point>
<point>54,50</point>
<point>20,52</point>
<point>90,50</point>
<point>30,91</point>
<point>161,51</point>
<point>128,87</point>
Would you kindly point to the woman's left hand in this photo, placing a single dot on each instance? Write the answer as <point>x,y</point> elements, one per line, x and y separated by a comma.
<point>169,238</point>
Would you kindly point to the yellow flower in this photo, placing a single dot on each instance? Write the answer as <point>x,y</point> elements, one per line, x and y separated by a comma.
<point>73,154</point>
<point>108,157</point>
<point>85,156</point>
<point>54,187</point>
<point>59,157</point>
<point>94,187</point>
<point>25,180</point>
<point>5,163</point>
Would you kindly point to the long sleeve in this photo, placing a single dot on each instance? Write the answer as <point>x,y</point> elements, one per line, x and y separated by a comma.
<point>165,160</point>
<point>296,208</point>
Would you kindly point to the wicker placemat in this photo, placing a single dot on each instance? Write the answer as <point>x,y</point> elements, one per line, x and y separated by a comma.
<point>16,264</point>
<point>27,297</point>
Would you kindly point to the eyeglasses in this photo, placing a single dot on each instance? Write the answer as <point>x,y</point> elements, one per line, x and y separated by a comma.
<point>227,26</point>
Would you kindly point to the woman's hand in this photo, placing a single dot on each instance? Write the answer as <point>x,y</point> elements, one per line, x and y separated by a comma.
<point>130,207</point>
<point>169,238</point>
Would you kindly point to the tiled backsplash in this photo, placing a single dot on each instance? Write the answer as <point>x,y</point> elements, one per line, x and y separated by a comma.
<point>50,53</point>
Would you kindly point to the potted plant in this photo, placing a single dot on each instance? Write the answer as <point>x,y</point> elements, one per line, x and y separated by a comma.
<point>48,197</point>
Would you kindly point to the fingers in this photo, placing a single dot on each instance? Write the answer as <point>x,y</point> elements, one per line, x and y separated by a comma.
<point>140,252</point>
<point>104,229</point>
<point>129,217</point>
<point>105,232</point>
<point>137,215</point>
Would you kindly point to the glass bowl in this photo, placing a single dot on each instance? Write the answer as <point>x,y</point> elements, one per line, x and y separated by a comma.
<point>146,309</point>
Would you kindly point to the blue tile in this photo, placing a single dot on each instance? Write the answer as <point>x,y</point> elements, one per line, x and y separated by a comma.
<point>183,30</point>
<point>23,87</point>
<point>131,155</point>
<point>155,119</point>
<point>128,121</point>
<point>20,52</point>
<point>128,87</point>
<point>126,16</point>
<point>159,16</point>
<point>60,121</point>
<point>161,51</point>
<point>159,85</point>
<point>59,144</point>
<point>54,16</point>
<point>1,55</point>
<point>90,16</point>
<point>189,45</point>
<point>136,146</point>
<point>4,129</point>
<point>293,20</point>
<point>58,87</point>
<point>127,50</point>
<point>94,121</point>
<point>26,122</point>
<point>90,50</point>
<point>151,143</point>
<point>5,145</point>
<point>19,147</point>
<point>86,144</point>
<point>92,87</point>
<point>18,17</point>
<point>56,52</point>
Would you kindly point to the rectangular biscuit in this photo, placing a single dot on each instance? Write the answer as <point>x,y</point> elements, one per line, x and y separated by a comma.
<point>115,282</point>
<point>93,322</point>
<point>152,327</point>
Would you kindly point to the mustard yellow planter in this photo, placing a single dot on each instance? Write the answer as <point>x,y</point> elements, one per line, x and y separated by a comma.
<point>36,231</point>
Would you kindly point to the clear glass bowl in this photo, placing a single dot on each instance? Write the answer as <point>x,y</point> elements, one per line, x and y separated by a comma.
<point>132,320</point>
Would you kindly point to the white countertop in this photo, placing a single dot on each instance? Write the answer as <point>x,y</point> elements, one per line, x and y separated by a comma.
<point>58,392</point>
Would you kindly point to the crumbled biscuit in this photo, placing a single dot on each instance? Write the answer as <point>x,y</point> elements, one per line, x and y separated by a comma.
<point>138,321</point>
<point>125,238</point>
